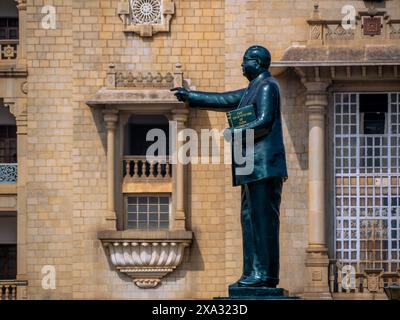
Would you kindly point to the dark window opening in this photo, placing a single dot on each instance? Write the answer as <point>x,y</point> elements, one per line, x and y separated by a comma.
<point>136,130</point>
<point>9,29</point>
<point>373,111</point>
<point>8,261</point>
<point>8,144</point>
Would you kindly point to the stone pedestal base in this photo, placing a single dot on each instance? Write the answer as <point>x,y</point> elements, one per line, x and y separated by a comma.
<point>316,296</point>
<point>316,276</point>
<point>256,293</point>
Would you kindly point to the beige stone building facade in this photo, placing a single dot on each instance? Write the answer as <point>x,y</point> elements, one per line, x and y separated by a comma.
<point>83,215</point>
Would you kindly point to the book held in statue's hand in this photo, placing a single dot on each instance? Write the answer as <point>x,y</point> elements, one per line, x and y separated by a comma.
<point>241,117</point>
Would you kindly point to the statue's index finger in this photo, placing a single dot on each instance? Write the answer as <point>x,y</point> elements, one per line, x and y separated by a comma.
<point>175,89</point>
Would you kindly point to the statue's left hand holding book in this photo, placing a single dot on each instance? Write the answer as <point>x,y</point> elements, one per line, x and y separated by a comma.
<point>241,117</point>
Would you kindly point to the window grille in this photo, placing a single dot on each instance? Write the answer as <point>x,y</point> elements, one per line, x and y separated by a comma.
<point>8,144</point>
<point>367,179</point>
<point>148,212</point>
<point>8,28</point>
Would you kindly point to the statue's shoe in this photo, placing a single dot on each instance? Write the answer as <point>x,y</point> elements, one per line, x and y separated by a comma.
<point>254,281</point>
<point>242,278</point>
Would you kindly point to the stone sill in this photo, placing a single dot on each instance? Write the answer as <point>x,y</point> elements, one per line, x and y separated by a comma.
<point>12,69</point>
<point>8,188</point>
<point>145,235</point>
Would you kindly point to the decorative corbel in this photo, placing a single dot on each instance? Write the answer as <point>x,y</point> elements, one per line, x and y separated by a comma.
<point>11,105</point>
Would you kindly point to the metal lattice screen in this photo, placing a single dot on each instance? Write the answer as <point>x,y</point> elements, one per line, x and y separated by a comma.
<point>367,179</point>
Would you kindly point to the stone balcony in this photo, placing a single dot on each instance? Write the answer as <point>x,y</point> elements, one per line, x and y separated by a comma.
<point>145,256</point>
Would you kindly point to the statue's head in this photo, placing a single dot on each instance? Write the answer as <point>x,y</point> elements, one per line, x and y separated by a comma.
<point>256,60</point>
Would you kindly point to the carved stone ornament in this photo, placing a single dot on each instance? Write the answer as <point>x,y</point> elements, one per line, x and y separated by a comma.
<point>145,256</point>
<point>371,22</point>
<point>24,87</point>
<point>146,17</point>
<point>8,51</point>
<point>373,279</point>
<point>146,262</point>
<point>372,26</point>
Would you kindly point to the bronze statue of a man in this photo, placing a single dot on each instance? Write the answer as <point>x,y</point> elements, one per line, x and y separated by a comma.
<point>261,189</point>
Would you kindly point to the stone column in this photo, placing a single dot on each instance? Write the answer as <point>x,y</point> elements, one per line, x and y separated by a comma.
<point>317,258</point>
<point>178,172</point>
<point>110,119</point>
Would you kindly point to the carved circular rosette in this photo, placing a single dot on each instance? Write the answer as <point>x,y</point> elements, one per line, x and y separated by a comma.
<point>146,11</point>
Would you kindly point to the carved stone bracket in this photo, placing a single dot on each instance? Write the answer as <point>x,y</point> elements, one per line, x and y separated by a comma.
<point>146,257</point>
<point>146,17</point>
<point>17,108</point>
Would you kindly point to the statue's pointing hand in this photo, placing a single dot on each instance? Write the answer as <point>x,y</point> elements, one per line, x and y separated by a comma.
<point>181,93</point>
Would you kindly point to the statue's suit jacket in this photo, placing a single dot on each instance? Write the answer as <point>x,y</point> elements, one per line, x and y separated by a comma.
<point>269,151</point>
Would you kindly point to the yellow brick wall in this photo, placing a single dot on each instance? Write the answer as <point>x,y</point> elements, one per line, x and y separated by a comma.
<point>50,147</point>
<point>67,139</point>
<point>196,41</point>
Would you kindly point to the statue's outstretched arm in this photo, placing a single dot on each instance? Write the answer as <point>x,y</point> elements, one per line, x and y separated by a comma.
<point>226,101</point>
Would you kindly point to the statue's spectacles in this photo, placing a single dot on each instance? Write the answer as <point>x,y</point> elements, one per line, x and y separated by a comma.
<point>245,59</point>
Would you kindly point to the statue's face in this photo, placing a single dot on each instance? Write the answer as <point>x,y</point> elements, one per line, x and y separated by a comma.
<point>250,65</point>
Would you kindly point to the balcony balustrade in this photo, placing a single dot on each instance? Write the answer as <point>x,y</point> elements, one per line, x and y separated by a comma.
<point>138,169</point>
<point>8,289</point>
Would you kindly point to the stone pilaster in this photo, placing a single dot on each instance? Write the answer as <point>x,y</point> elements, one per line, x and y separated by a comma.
<point>21,5</point>
<point>110,119</point>
<point>317,261</point>
<point>178,172</point>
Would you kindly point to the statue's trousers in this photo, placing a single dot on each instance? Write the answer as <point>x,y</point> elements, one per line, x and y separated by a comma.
<point>260,226</point>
